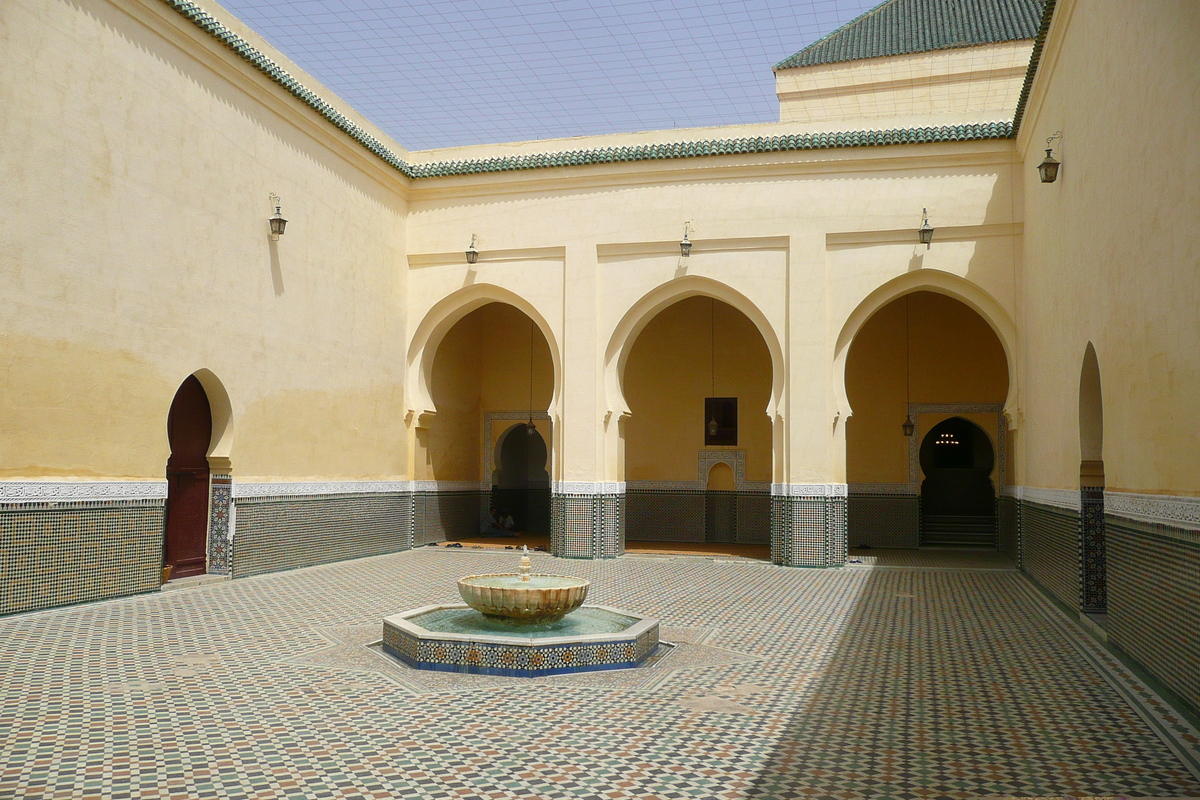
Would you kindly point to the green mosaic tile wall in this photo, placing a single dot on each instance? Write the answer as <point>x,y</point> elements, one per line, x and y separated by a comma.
<point>1154,600</point>
<point>277,533</point>
<point>54,554</point>
<point>1008,512</point>
<point>680,515</point>
<point>883,520</point>
<point>1051,549</point>
<point>446,516</point>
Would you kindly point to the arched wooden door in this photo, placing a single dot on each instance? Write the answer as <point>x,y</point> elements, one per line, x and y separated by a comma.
<point>189,430</point>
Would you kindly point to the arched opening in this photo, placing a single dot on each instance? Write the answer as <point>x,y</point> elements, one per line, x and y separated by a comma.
<point>957,495</point>
<point>1093,555</point>
<point>189,432</point>
<point>925,357</point>
<point>492,369</point>
<point>521,480</point>
<point>698,444</point>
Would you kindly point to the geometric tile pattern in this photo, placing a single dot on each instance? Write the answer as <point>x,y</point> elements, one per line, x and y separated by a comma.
<point>56,553</point>
<point>1008,510</point>
<point>808,531</point>
<point>429,651</point>
<point>1050,549</point>
<point>441,516</point>
<point>1092,580</point>
<point>281,533</point>
<point>587,525</point>
<point>883,520</point>
<point>221,490</point>
<point>849,683</point>
<point>692,515</point>
<point>1154,600</point>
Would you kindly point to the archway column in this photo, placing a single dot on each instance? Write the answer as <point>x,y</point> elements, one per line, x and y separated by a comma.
<point>587,506</point>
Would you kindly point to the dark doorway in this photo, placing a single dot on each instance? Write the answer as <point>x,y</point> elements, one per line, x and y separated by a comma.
<point>189,431</point>
<point>958,501</point>
<point>522,483</point>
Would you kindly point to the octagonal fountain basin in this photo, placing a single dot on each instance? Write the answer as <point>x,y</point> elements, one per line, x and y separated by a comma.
<point>457,638</point>
<point>523,598</point>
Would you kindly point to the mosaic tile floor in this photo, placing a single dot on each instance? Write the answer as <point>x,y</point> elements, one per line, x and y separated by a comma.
<point>919,682</point>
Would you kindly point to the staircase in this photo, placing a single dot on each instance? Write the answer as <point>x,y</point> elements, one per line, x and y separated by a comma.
<point>944,530</point>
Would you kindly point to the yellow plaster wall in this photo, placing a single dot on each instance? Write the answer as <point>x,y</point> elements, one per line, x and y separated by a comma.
<point>1111,247</point>
<point>667,377</point>
<point>955,357</point>
<point>137,161</point>
<point>961,81</point>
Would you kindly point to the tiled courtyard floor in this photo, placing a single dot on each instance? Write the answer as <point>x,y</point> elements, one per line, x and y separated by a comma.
<point>941,676</point>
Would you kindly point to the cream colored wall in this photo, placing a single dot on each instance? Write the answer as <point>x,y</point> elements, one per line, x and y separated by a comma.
<point>985,79</point>
<point>954,357</point>
<point>1111,247</point>
<point>670,372</point>
<point>137,160</point>
<point>801,239</point>
<point>482,364</point>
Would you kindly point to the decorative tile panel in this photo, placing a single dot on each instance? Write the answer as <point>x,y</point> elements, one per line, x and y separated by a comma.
<point>80,491</point>
<point>883,520</point>
<point>1050,549</point>
<point>220,496</point>
<point>587,524</point>
<point>54,554</point>
<point>808,525</point>
<point>1093,563</point>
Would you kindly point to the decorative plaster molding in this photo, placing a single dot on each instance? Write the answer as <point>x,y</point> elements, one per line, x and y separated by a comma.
<point>1013,491</point>
<point>809,489</point>
<point>1058,498</point>
<point>451,486</point>
<point>706,459</point>
<point>674,486</point>
<point>296,489</point>
<point>80,491</point>
<point>883,488</point>
<point>1159,509</point>
<point>587,487</point>
<point>914,442</point>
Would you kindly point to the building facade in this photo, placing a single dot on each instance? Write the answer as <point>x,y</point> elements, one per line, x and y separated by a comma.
<point>181,387</point>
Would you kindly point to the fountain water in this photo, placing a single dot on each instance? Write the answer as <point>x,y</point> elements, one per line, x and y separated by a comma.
<point>520,624</point>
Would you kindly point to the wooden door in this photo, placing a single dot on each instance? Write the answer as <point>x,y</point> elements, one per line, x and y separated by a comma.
<point>189,430</point>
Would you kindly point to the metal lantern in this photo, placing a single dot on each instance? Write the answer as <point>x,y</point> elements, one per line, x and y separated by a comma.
<point>1048,169</point>
<point>530,428</point>
<point>925,234</point>
<point>278,223</point>
<point>685,245</point>
<point>909,426</point>
<point>472,254</point>
<point>713,427</point>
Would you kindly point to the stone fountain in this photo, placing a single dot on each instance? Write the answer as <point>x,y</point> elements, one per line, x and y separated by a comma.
<point>520,624</point>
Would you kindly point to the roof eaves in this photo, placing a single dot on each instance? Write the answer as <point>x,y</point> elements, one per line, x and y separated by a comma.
<point>1039,44</point>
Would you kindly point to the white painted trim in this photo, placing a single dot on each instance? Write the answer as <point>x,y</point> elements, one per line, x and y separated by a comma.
<point>80,491</point>
<point>809,489</point>
<point>587,487</point>
<point>451,486</point>
<point>1059,498</point>
<point>688,486</point>
<point>1158,509</point>
<point>301,488</point>
<point>883,488</point>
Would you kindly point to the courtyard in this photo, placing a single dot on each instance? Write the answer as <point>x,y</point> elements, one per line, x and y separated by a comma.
<point>933,673</point>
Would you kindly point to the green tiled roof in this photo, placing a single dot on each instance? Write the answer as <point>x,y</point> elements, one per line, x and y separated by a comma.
<point>601,155</point>
<point>1035,59</point>
<point>916,26</point>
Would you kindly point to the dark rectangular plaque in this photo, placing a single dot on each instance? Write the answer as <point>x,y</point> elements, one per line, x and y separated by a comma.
<point>723,411</point>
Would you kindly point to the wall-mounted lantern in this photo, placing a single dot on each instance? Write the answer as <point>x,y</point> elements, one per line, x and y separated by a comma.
<point>925,233</point>
<point>685,244</point>
<point>472,254</point>
<point>1048,169</point>
<point>278,223</point>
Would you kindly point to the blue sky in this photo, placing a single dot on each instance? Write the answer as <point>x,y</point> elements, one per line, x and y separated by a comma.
<point>455,72</point>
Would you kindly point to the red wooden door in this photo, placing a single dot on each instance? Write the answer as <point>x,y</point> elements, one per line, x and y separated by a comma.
<point>189,430</point>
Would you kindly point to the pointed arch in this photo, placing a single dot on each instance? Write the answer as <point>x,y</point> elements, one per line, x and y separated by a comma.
<point>929,280</point>
<point>443,316</point>
<point>221,444</point>
<point>639,315</point>
<point>1091,408</point>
